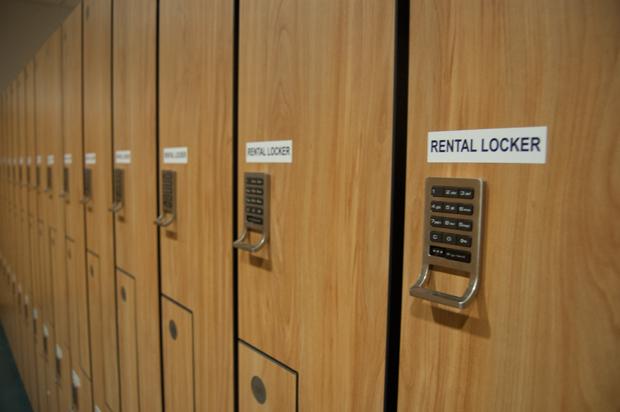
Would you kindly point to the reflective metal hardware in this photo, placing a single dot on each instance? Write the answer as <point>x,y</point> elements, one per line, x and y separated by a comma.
<point>169,206</point>
<point>62,195</point>
<point>172,326</point>
<point>461,258</point>
<point>258,389</point>
<point>255,212</point>
<point>84,200</point>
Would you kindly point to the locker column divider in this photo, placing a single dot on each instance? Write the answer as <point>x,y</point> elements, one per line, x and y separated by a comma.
<point>397,212</point>
<point>235,201</point>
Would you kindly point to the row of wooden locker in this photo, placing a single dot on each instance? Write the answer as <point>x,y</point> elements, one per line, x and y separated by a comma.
<point>121,289</point>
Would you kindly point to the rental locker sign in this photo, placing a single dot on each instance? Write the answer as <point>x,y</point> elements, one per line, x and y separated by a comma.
<point>511,145</point>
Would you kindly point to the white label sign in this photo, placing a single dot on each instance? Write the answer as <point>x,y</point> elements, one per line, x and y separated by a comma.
<point>97,409</point>
<point>175,155</point>
<point>75,378</point>
<point>50,159</point>
<point>274,151</point>
<point>90,158</point>
<point>58,352</point>
<point>21,161</point>
<point>68,158</point>
<point>35,313</point>
<point>27,300</point>
<point>39,159</point>
<point>122,157</point>
<point>510,145</point>
<point>46,332</point>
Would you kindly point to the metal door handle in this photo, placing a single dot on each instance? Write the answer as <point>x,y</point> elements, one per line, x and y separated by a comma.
<point>85,200</point>
<point>249,247</point>
<point>47,190</point>
<point>116,207</point>
<point>163,221</point>
<point>418,290</point>
<point>62,195</point>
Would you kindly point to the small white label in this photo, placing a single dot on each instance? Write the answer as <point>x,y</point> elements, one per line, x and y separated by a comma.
<point>122,157</point>
<point>50,160</point>
<point>90,158</point>
<point>39,159</point>
<point>28,160</point>
<point>21,161</point>
<point>19,288</point>
<point>527,145</point>
<point>176,155</point>
<point>46,332</point>
<point>35,313</point>
<point>58,352</point>
<point>27,300</point>
<point>274,151</point>
<point>75,378</point>
<point>68,158</point>
<point>97,409</point>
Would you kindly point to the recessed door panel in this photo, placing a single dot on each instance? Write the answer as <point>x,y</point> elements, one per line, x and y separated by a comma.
<point>196,212</point>
<point>178,350</point>
<point>128,342</point>
<point>265,385</point>
<point>541,332</point>
<point>322,77</point>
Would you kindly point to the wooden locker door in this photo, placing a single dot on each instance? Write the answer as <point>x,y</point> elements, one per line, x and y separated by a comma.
<point>315,298</point>
<point>195,112</point>
<point>135,146</point>
<point>96,312</point>
<point>542,332</point>
<point>74,210</point>
<point>99,223</point>
<point>179,356</point>
<point>128,342</point>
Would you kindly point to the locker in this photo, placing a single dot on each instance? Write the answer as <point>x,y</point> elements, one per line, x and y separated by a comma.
<point>320,74</point>
<point>135,201</point>
<point>179,357</point>
<point>73,164</point>
<point>195,123</point>
<point>128,341</point>
<point>539,334</point>
<point>97,83</point>
<point>265,385</point>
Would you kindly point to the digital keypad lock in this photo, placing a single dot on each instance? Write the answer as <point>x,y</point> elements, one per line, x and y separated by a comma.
<point>118,194</point>
<point>452,235</point>
<point>255,210</point>
<point>169,205</point>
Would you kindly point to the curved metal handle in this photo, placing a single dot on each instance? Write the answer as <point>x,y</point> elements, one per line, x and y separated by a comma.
<point>418,290</point>
<point>116,207</point>
<point>85,200</point>
<point>62,195</point>
<point>47,190</point>
<point>163,221</point>
<point>249,247</point>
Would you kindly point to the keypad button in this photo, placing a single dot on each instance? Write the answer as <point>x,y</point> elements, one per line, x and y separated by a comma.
<point>465,209</point>
<point>450,207</point>
<point>436,221</point>
<point>449,222</point>
<point>436,237</point>
<point>464,241</point>
<point>449,238</point>
<point>465,225</point>
<point>457,255</point>
<point>451,192</point>
<point>437,206</point>
<point>466,193</point>
<point>436,251</point>
<point>437,191</point>
<point>254,219</point>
